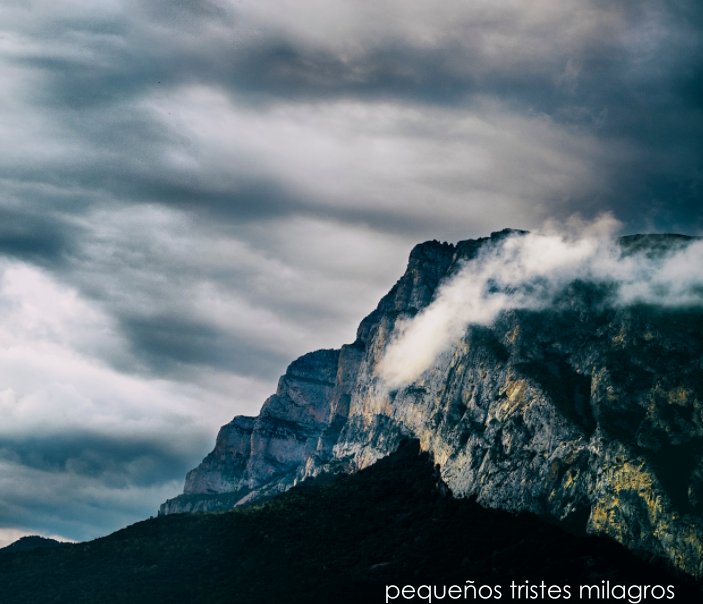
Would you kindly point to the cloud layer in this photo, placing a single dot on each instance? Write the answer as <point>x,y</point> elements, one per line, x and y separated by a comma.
<point>529,271</point>
<point>194,193</point>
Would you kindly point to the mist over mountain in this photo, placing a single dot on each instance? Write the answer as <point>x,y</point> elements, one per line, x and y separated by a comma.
<point>555,372</point>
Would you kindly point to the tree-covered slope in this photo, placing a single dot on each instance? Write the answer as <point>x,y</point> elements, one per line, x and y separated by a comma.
<point>332,539</point>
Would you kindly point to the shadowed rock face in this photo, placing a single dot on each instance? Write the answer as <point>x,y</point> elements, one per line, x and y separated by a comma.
<point>256,456</point>
<point>586,413</point>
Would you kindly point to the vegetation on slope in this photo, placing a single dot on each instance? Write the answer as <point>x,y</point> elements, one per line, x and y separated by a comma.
<point>332,539</point>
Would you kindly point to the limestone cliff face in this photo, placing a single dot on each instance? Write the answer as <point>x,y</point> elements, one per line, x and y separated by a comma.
<point>586,413</point>
<point>256,456</point>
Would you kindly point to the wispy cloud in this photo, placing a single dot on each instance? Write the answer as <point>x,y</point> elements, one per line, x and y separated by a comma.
<point>528,271</point>
<point>73,425</point>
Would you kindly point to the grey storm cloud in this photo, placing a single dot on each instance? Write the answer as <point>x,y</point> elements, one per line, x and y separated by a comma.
<point>79,483</point>
<point>34,236</point>
<point>114,459</point>
<point>630,74</point>
<point>169,343</point>
<point>193,193</point>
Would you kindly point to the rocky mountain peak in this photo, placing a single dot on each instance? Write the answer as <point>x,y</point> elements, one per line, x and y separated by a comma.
<point>583,411</point>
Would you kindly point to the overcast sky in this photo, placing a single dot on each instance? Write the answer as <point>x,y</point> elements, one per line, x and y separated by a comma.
<point>193,193</point>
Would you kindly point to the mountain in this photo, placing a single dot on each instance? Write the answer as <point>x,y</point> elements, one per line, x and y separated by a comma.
<point>339,539</point>
<point>586,409</point>
<point>30,542</point>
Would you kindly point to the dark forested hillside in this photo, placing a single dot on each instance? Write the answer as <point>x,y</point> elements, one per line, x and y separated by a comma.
<point>331,539</point>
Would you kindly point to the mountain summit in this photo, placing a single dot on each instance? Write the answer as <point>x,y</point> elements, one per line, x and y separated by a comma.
<point>555,376</point>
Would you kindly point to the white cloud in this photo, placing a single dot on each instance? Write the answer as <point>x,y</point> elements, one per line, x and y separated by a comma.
<point>288,285</point>
<point>429,166</point>
<point>55,385</point>
<point>527,271</point>
<point>51,374</point>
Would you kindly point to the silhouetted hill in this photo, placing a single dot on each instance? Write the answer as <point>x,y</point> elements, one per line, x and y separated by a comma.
<point>30,542</point>
<point>332,539</point>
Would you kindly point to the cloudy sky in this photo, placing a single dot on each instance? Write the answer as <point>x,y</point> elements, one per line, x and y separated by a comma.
<point>193,193</point>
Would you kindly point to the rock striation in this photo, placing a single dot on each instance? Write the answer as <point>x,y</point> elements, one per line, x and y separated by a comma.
<point>257,456</point>
<point>586,413</point>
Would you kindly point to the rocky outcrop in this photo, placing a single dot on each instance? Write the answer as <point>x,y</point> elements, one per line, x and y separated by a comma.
<point>587,413</point>
<point>257,456</point>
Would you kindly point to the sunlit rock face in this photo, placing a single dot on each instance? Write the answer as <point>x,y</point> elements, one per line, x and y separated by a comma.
<point>585,412</point>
